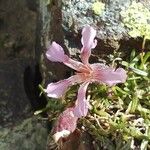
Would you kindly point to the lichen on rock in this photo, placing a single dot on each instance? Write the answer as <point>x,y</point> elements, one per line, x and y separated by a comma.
<point>137,19</point>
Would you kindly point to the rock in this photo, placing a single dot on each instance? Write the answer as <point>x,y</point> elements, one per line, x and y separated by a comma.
<point>17,30</point>
<point>32,5</point>
<point>30,134</point>
<point>19,79</point>
<point>18,91</point>
<point>111,33</point>
<point>49,28</point>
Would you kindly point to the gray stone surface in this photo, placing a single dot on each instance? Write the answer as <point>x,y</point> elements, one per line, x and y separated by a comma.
<point>19,78</point>
<point>30,134</point>
<point>111,34</point>
<point>17,42</point>
<point>17,30</point>
<point>50,29</point>
<point>14,103</point>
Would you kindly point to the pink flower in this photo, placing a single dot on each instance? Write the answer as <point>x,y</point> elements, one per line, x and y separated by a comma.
<point>65,124</point>
<point>82,105</point>
<point>85,73</point>
<point>56,54</point>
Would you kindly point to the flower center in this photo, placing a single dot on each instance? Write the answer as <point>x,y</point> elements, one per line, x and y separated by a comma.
<point>86,74</point>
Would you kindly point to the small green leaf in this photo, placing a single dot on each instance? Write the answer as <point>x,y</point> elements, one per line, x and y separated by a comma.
<point>146,57</point>
<point>138,71</point>
<point>120,90</point>
<point>132,56</point>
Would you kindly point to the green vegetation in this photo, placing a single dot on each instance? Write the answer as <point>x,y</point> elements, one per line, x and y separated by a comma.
<point>119,118</point>
<point>121,115</point>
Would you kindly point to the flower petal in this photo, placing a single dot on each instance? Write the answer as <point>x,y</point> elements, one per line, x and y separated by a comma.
<point>56,53</point>
<point>65,124</point>
<point>58,89</point>
<point>76,65</point>
<point>88,42</point>
<point>108,75</point>
<point>82,104</point>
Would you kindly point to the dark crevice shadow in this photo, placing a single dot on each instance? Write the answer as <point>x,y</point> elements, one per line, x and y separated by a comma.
<point>32,79</point>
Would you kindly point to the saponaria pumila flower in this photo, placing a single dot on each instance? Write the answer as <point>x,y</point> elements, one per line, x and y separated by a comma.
<point>86,73</point>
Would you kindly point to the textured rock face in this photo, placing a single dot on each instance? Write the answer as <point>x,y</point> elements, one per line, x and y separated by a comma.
<point>108,24</point>
<point>14,104</point>
<point>112,35</point>
<point>19,79</point>
<point>30,134</point>
<point>17,30</point>
<point>49,28</point>
<point>17,42</point>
